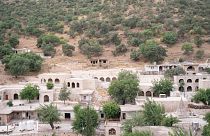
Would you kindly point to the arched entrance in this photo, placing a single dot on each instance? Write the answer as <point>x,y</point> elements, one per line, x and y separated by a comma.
<point>57,81</point>
<point>50,80</point>
<point>108,79</point>
<point>102,79</point>
<point>112,132</point>
<point>73,85</point>
<point>46,98</point>
<point>189,89</point>
<point>141,93</point>
<point>15,96</point>
<point>190,68</point>
<point>148,93</point>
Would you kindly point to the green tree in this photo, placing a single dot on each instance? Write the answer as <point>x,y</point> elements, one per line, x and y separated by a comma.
<point>169,38</point>
<point>64,94</point>
<point>206,128</point>
<point>29,92</point>
<point>164,86</point>
<point>169,121</point>
<point>153,113</point>
<point>48,39</point>
<point>127,85</point>
<point>202,95</point>
<point>198,41</point>
<point>153,52</point>
<point>68,49</point>
<point>187,48</point>
<point>5,50</point>
<point>111,110</point>
<point>50,85</point>
<point>170,73</point>
<point>13,41</point>
<point>35,61</point>
<point>135,55</point>
<point>48,50</point>
<point>120,49</point>
<point>49,114</point>
<point>199,54</point>
<point>15,68</point>
<point>86,121</point>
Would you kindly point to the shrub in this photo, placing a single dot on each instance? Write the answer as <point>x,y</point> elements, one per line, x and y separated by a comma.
<point>9,103</point>
<point>187,48</point>
<point>31,30</point>
<point>133,41</point>
<point>50,85</point>
<point>169,121</point>
<point>131,22</point>
<point>48,39</point>
<point>68,49</point>
<point>199,54</point>
<point>48,50</point>
<point>111,110</point>
<point>202,95</point>
<point>90,47</point>
<point>153,52</point>
<point>115,39</point>
<point>5,50</point>
<point>164,86</point>
<point>198,41</point>
<point>120,49</point>
<point>13,41</point>
<point>170,38</point>
<point>135,55</point>
<point>175,71</point>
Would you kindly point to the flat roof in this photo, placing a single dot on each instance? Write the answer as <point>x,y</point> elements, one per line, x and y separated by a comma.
<point>129,107</point>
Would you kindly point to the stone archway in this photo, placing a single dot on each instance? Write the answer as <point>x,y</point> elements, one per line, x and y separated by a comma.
<point>50,80</point>
<point>108,79</point>
<point>114,78</point>
<point>73,85</point>
<point>57,81</point>
<point>46,98</point>
<point>148,94</point>
<point>77,85</point>
<point>141,93</point>
<point>190,68</point>
<point>15,96</point>
<point>196,80</point>
<point>189,88</point>
<point>189,80</point>
<point>112,132</point>
<point>102,79</point>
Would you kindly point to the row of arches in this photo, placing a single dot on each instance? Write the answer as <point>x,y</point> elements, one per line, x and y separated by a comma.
<point>188,81</point>
<point>56,81</point>
<point>73,85</point>
<point>189,89</point>
<point>107,79</point>
<point>147,93</point>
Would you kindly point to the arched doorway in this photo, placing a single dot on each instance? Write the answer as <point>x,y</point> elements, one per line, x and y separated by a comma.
<point>112,132</point>
<point>102,79</point>
<point>190,68</point>
<point>77,85</point>
<point>50,80</point>
<point>189,89</point>
<point>73,85</point>
<point>114,78</point>
<point>141,93</point>
<point>181,89</point>
<point>197,80</point>
<point>189,80</point>
<point>181,80</point>
<point>108,79</point>
<point>68,84</point>
<point>46,98</point>
<point>160,68</point>
<point>15,96</point>
<point>148,93</point>
<point>57,81</point>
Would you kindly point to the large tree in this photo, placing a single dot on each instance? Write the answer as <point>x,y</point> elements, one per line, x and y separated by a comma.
<point>29,92</point>
<point>153,113</point>
<point>125,88</point>
<point>153,52</point>
<point>64,93</point>
<point>49,114</point>
<point>164,86</point>
<point>86,121</point>
<point>111,110</point>
<point>202,95</point>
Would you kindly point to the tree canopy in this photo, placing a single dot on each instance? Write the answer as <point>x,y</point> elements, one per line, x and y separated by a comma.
<point>29,92</point>
<point>127,85</point>
<point>111,110</point>
<point>202,95</point>
<point>64,93</point>
<point>86,120</point>
<point>164,86</point>
<point>49,114</point>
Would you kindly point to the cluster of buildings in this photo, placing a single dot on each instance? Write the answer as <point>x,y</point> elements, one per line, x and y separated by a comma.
<point>85,89</point>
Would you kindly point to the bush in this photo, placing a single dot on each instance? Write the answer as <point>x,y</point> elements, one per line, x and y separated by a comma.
<point>68,49</point>
<point>131,22</point>
<point>164,86</point>
<point>170,38</point>
<point>90,47</point>
<point>203,96</point>
<point>198,41</point>
<point>152,52</point>
<point>13,41</point>
<point>48,50</point>
<point>169,121</point>
<point>133,41</point>
<point>120,49</point>
<point>187,48</point>
<point>174,72</point>
<point>5,50</point>
<point>111,110</point>
<point>31,30</point>
<point>135,55</point>
<point>50,85</point>
<point>115,39</point>
<point>199,54</point>
<point>9,103</point>
<point>48,39</point>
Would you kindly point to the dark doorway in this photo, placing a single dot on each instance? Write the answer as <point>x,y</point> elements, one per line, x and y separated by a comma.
<point>67,115</point>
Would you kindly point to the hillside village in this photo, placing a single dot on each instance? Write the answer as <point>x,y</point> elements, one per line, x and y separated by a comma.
<point>105,68</point>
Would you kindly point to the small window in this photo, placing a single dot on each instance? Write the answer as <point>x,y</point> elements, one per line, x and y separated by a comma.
<point>84,97</point>
<point>102,115</point>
